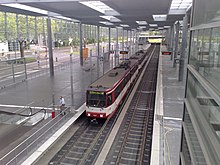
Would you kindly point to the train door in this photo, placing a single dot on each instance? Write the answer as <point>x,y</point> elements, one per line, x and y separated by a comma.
<point>109,99</point>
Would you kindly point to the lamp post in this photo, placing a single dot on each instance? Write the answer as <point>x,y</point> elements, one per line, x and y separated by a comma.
<point>71,76</point>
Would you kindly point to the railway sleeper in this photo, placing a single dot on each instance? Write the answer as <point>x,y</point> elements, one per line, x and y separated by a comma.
<point>140,129</point>
<point>128,161</point>
<point>74,155</point>
<point>139,117</point>
<point>136,126</point>
<point>128,155</point>
<point>136,131</point>
<point>132,142</point>
<point>68,159</point>
<point>140,134</point>
<point>132,138</point>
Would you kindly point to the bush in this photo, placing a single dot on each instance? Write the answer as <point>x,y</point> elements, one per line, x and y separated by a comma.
<point>30,59</point>
<point>21,61</point>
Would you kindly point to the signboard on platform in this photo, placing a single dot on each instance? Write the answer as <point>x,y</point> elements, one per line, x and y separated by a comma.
<point>123,52</point>
<point>166,53</point>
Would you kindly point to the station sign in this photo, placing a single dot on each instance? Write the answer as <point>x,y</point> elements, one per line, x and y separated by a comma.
<point>123,52</point>
<point>166,53</point>
<point>96,93</point>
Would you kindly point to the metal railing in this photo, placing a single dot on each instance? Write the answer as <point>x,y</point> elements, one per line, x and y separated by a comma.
<point>29,145</point>
<point>14,78</point>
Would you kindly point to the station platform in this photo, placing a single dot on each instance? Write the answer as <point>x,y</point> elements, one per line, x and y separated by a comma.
<point>41,92</point>
<point>168,116</point>
<point>168,110</point>
<point>168,113</point>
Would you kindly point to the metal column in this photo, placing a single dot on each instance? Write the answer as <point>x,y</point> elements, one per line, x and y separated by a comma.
<point>130,43</point>
<point>183,48</point>
<point>27,29</point>
<point>98,49</point>
<point>123,42</point>
<point>71,78</point>
<point>109,42</point>
<point>35,30</point>
<point>81,44</point>
<point>126,56</point>
<point>176,43</point>
<point>44,41</point>
<point>6,27</point>
<point>109,39</point>
<point>49,43</point>
<point>116,49</point>
<point>172,41</point>
<point>18,36</point>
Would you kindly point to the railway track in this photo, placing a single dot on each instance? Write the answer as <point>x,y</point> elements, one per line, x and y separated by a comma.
<point>133,143</point>
<point>86,144</point>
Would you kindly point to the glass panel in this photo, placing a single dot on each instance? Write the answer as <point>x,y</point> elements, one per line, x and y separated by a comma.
<point>2,27</point>
<point>185,151</point>
<point>211,69</point>
<point>206,11</point>
<point>12,29</point>
<point>96,99</point>
<point>203,54</point>
<point>194,49</point>
<point>31,26</point>
<point>22,29</point>
<point>192,141</point>
<point>201,102</point>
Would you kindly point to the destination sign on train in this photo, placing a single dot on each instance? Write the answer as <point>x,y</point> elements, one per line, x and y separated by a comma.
<point>123,52</point>
<point>96,93</point>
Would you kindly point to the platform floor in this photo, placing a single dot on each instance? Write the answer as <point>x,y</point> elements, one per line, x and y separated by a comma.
<point>168,113</point>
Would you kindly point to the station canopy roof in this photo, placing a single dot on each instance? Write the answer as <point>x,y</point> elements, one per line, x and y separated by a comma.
<point>129,14</point>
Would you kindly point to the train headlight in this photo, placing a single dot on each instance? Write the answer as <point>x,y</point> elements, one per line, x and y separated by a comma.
<point>88,114</point>
<point>101,115</point>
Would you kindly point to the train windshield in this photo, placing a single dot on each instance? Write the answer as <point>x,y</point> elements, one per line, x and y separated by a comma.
<point>96,99</point>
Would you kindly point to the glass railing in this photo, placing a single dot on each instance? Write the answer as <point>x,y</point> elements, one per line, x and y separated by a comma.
<point>29,145</point>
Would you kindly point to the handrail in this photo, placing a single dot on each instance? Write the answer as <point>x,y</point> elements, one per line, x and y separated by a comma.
<point>19,114</point>
<point>17,151</point>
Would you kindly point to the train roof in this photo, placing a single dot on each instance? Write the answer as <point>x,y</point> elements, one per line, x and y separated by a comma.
<point>112,77</point>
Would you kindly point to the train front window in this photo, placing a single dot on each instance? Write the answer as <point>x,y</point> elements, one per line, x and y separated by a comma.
<point>96,99</point>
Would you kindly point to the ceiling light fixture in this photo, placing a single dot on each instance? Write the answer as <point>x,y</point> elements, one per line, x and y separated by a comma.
<point>27,8</point>
<point>142,27</point>
<point>180,6</point>
<point>39,11</point>
<point>153,25</point>
<point>141,22</point>
<point>62,17</point>
<point>124,25</point>
<point>100,7</point>
<point>166,27</point>
<point>162,17</point>
<point>110,18</point>
<point>106,23</point>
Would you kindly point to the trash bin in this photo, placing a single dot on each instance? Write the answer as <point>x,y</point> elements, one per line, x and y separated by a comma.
<point>53,114</point>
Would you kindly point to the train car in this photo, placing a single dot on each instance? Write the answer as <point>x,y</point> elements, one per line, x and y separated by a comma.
<point>105,94</point>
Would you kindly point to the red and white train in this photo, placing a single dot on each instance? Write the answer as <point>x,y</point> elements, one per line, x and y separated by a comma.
<point>105,94</point>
